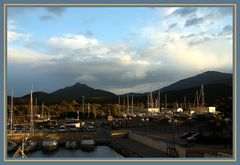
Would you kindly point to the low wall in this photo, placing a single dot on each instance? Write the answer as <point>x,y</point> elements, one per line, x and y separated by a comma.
<point>155,143</point>
<point>159,145</point>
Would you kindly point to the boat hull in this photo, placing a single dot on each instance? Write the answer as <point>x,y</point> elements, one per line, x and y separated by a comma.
<point>87,146</point>
<point>49,145</point>
<point>12,146</point>
<point>71,145</point>
<point>31,146</point>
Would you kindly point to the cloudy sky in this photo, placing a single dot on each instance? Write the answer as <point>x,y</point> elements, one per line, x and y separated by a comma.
<point>119,49</point>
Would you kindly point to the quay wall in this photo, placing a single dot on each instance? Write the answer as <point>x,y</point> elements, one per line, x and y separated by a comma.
<point>59,136</point>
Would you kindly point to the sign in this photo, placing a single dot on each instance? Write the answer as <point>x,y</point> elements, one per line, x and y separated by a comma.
<point>110,118</point>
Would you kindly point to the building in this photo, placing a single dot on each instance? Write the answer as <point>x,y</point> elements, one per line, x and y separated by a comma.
<point>203,110</point>
<point>153,110</point>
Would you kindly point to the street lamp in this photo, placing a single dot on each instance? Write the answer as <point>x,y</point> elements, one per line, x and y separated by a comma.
<point>145,120</point>
<point>173,122</point>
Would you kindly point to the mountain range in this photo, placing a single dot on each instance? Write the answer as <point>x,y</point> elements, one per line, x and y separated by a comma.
<point>217,85</point>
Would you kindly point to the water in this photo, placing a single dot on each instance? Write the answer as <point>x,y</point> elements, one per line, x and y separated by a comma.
<point>99,152</point>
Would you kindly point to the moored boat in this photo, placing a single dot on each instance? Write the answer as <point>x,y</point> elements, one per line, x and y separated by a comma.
<point>12,146</point>
<point>49,144</point>
<point>71,144</point>
<point>87,143</point>
<point>30,144</point>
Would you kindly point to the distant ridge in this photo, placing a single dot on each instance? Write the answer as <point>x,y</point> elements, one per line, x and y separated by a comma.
<point>217,85</point>
<point>206,78</point>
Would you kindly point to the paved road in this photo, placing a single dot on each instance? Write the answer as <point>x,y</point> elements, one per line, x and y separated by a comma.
<point>139,148</point>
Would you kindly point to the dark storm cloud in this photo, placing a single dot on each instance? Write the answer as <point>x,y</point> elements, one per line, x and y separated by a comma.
<point>89,20</point>
<point>184,11</point>
<point>227,30</point>
<point>223,11</point>
<point>172,26</point>
<point>200,40</point>
<point>88,33</point>
<point>46,18</point>
<point>194,21</point>
<point>56,10</point>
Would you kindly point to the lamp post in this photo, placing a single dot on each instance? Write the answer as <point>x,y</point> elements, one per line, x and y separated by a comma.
<point>145,120</point>
<point>173,122</point>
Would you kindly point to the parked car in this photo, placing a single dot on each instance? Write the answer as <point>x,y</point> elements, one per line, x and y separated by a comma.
<point>72,128</point>
<point>90,128</point>
<point>19,130</point>
<point>82,129</point>
<point>62,128</point>
<point>52,129</point>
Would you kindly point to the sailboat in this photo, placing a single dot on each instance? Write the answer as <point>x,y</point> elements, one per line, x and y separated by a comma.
<point>71,144</point>
<point>12,146</point>
<point>29,143</point>
<point>87,143</point>
<point>49,144</point>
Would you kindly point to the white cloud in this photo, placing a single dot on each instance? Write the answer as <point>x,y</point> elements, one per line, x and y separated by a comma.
<point>11,25</point>
<point>170,50</point>
<point>71,41</point>
<point>205,53</point>
<point>11,36</point>
<point>23,56</point>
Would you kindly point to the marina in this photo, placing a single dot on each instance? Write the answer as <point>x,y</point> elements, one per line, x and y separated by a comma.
<point>98,152</point>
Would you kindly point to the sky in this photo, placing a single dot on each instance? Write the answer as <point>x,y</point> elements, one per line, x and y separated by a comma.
<point>118,49</point>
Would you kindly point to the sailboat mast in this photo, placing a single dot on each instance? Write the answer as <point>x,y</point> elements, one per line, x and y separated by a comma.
<point>31,113</point>
<point>11,115</point>
<point>42,108</point>
<point>127,104</point>
<point>132,106</point>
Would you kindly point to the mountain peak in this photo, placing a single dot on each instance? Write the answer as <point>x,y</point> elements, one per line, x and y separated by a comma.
<point>78,84</point>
